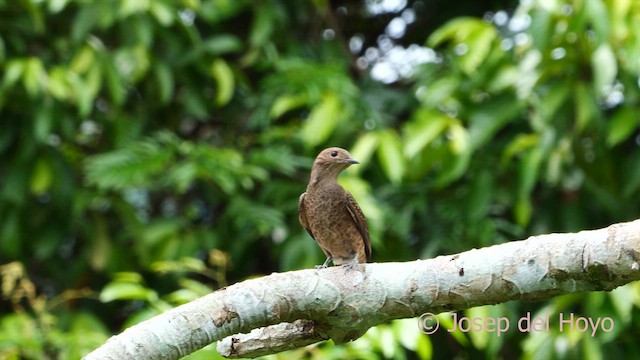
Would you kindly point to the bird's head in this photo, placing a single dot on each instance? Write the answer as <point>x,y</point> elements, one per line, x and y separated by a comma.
<point>330,162</point>
<point>335,156</point>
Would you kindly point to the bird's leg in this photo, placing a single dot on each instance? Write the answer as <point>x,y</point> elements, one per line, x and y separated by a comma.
<point>326,262</point>
<point>352,264</point>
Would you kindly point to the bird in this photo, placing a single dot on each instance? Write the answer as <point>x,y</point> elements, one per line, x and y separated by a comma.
<point>331,215</point>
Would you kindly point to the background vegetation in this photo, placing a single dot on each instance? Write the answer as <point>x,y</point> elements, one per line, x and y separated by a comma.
<point>154,150</point>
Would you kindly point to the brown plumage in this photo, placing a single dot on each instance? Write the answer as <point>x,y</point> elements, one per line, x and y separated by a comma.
<point>331,215</point>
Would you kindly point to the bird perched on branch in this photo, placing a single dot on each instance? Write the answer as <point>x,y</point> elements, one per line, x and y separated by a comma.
<point>331,215</point>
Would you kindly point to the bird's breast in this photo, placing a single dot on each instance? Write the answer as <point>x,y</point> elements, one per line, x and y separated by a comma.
<point>327,211</point>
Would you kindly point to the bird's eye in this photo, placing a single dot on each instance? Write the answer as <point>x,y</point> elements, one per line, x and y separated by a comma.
<point>334,153</point>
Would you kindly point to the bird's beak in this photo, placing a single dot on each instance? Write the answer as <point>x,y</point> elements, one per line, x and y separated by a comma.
<point>351,161</point>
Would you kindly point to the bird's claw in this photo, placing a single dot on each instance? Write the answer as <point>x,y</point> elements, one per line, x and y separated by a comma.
<point>324,265</point>
<point>351,264</point>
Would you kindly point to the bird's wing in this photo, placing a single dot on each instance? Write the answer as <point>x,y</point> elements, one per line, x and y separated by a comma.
<point>361,223</point>
<point>302,215</point>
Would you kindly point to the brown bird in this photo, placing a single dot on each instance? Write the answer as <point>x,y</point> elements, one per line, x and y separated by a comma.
<point>331,215</point>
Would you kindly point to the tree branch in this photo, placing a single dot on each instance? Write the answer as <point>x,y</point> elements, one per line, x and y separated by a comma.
<point>341,305</point>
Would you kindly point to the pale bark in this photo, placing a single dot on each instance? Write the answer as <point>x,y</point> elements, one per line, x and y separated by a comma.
<point>341,305</point>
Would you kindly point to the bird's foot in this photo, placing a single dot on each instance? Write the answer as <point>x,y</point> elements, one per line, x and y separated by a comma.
<point>351,264</point>
<point>324,265</point>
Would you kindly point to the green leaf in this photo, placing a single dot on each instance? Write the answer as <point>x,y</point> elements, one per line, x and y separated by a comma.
<point>527,178</point>
<point>506,78</point>
<point>632,164</point>
<point>221,44</point>
<point>41,177</point>
<point>522,211</point>
<point>21,330</point>
<point>479,43</point>
<point>156,232</point>
<point>406,334</point>
<point>453,168</point>
<point>34,76</point>
<point>55,6</point>
<point>163,12</point>
<point>286,103</point>
<point>598,16</point>
<point>454,30</point>
<point>622,300</point>
<point>114,83</point>
<point>128,276</point>
<point>217,11</point>
<point>529,74</point>
<point>621,11</point>
<point>387,343</point>
<point>519,144</point>
<point>58,84</point>
<point>182,176</point>
<point>11,230</point>
<point>456,162</point>
<point>260,219</point>
<point>440,90</point>
<point>83,99</point>
<point>424,348</point>
<point>459,138</point>
<point>137,165</point>
<point>98,14</point>
<point>262,26</point>
<point>475,35</point>
<point>529,167</point>
<point>363,149</point>
<point>13,71</point>
<point>321,121</point>
<point>481,195</point>
<point>118,290</point>
<point>184,296</point>
<point>541,28</point>
<point>446,322</point>
<point>480,339</point>
<point>185,264</point>
<point>550,103</point>
<point>605,69</point>
<point>165,80</point>
<point>422,129</point>
<point>591,348</point>
<point>195,103</point>
<point>84,60</point>
<point>87,332</point>
<point>3,51</point>
<point>100,248</point>
<point>43,123</point>
<point>223,75</point>
<point>132,63</point>
<point>587,109</point>
<point>622,125</point>
<point>390,155</point>
<point>488,118</point>
<point>37,17</point>
<point>130,7</point>
<point>560,154</point>
<point>93,83</point>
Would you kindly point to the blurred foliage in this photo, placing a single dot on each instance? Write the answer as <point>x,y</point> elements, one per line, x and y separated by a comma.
<point>151,151</point>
